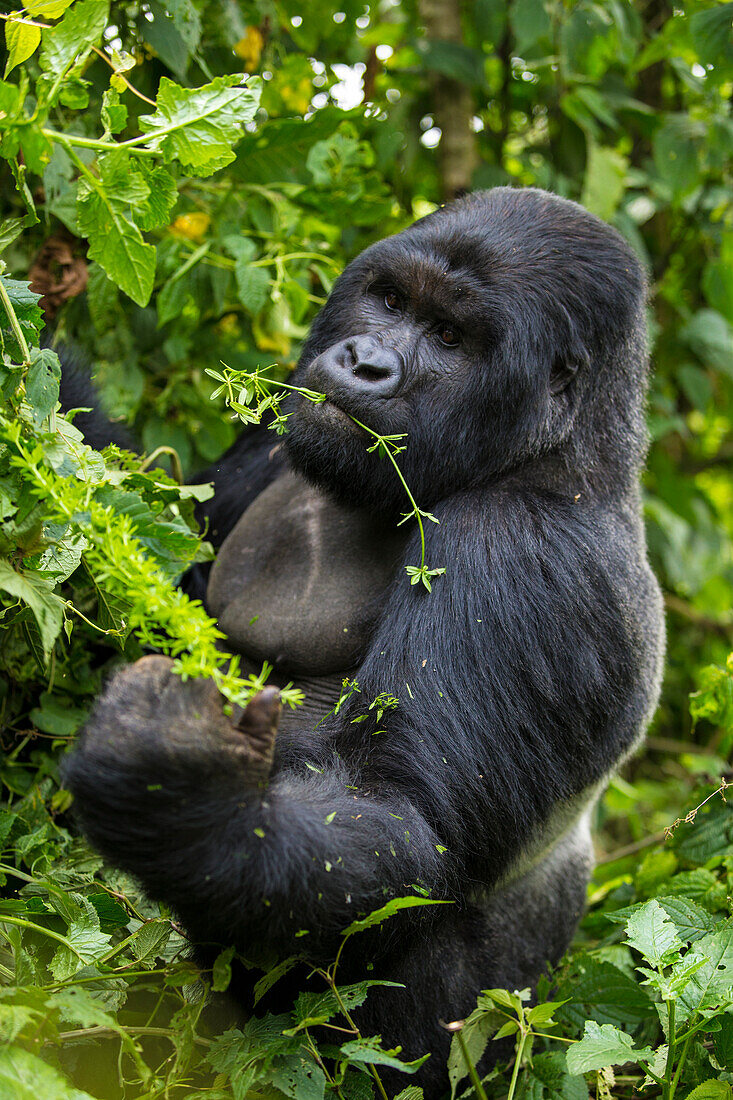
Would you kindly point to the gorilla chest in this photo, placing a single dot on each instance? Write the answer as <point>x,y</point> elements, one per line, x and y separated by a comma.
<point>298,582</point>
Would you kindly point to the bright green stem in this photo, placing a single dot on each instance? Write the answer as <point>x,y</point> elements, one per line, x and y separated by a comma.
<point>102,146</point>
<point>15,325</point>
<point>398,471</point>
<point>472,1071</point>
<point>669,1080</point>
<point>517,1067</point>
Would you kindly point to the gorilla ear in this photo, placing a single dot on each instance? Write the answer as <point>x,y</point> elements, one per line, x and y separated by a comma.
<point>564,370</point>
<point>571,358</point>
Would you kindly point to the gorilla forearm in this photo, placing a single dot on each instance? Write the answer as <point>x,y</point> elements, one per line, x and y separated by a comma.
<point>243,864</point>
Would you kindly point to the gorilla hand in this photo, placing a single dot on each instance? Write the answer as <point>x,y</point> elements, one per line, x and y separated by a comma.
<point>157,749</point>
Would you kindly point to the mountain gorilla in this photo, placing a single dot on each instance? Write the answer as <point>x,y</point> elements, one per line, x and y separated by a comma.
<point>505,335</point>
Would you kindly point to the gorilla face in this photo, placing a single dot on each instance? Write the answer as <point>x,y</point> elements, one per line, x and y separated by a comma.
<point>478,333</point>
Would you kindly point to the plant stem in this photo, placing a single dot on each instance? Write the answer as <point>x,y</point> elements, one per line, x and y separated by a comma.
<point>517,1065</point>
<point>15,325</point>
<point>405,486</point>
<point>668,1087</point>
<point>472,1071</point>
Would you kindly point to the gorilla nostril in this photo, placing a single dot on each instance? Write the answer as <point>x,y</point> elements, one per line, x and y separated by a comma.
<point>370,373</point>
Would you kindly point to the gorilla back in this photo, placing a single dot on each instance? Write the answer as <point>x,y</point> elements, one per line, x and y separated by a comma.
<point>504,334</point>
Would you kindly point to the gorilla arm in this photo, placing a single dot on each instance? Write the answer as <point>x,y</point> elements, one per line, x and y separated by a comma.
<point>167,788</point>
<point>518,689</point>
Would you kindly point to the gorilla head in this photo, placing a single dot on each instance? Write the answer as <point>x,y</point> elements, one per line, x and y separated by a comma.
<point>490,332</point>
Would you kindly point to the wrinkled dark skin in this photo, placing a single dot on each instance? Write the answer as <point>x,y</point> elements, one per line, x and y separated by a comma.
<point>505,335</point>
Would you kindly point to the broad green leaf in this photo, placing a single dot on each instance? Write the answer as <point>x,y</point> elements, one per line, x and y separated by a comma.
<point>711,338</point>
<point>723,1042</point>
<point>603,1046</point>
<point>38,594</point>
<point>21,40</point>
<point>476,1032</point>
<point>253,284</point>
<point>387,911</point>
<point>691,921</point>
<point>713,1089</point>
<point>199,126</point>
<point>600,991</point>
<point>549,1073</point>
<point>711,34</point>
<point>652,933</point>
<point>47,9</point>
<point>370,1052</point>
<point>412,1092</point>
<point>530,22</point>
<point>23,1076</point>
<point>150,941</point>
<point>604,184</point>
<point>42,383</point>
<point>221,974</point>
<point>116,243</point>
<point>71,39</point>
<point>712,985</point>
<point>272,976</point>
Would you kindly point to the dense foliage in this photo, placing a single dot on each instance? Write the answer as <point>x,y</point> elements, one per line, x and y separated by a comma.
<point>172,216</point>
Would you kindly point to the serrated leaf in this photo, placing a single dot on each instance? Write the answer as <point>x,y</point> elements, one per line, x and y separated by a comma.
<point>199,126</point>
<point>38,594</point>
<point>25,1077</point>
<point>601,1046</point>
<point>21,41</point>
<point>712,985</point>
<point>713,1089</point>
<point>42,383</point>
<point>116,244</point>
<point>369,1052</point>
<point>253,284</point>
<point>650,931</point>
<point>70,40</point>
<point>387,911</point>
<point>221,973</point>
<point>150,941</point>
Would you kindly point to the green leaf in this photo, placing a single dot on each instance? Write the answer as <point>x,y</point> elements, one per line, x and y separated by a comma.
<point>25,1077</point>
<point>253,284</point>
<point>70,40</point>
<point>604,183</point>
<point>116,243</point>
<point>711,1090</point>
<point>38,594</point>
<point>199,126</point>
<point>530,22</point>
<point>712,985</point>
<point>691,920</point>
<point>369,1052</point>
<point>603,1046</point>
<point>387,911</point>
<point>711,338</point>
<point>710,31</point>
<point>477,1030</point>
<point>21,40</point>
<point>272,976</point>
<point>723,1043</point>
<point>652,933</point>
<point>221,974</point>
<point>27,311</point>
<point>550,1073</point>
<point>42,383</point>
<point>600,991</point>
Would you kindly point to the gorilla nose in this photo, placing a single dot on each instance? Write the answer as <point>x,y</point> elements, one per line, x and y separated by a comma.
<point>363,365</point>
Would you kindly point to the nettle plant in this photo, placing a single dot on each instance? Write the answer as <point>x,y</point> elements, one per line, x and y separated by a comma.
<point>254,399</point>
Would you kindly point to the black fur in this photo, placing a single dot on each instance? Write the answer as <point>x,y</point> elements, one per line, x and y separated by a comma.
<point>523,679</point>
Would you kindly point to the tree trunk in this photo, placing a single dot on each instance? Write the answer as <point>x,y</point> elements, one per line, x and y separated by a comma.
<point>452,103</point>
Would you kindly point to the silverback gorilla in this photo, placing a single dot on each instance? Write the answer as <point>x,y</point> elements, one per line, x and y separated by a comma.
<point>504,334</point>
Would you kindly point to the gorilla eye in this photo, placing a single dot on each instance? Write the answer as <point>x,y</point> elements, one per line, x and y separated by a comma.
<point>449,336</point>
<point>392,300</point>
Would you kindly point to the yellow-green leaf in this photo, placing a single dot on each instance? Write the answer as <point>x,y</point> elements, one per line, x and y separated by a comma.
<point>22,40</point>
